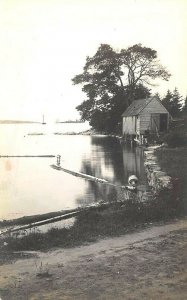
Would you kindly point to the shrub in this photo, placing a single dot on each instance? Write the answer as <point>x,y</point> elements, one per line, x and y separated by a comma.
<point>175,139</point>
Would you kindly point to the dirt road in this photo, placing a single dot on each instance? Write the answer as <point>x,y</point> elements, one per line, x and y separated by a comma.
<point>150,264</point>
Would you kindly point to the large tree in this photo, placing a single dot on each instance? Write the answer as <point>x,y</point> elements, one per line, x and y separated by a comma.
<point>140,65</point>
<point>112,80</point>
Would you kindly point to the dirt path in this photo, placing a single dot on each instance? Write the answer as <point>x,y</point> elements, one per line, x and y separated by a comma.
<point>150,264</point>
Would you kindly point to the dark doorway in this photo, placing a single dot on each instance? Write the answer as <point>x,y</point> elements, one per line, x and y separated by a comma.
<point>155,122</point>
<point>163,122</point>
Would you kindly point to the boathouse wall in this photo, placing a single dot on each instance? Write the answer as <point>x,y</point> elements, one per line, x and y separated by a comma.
<point>152,110</point>
<point>145,115</point>
<point>129,125</point>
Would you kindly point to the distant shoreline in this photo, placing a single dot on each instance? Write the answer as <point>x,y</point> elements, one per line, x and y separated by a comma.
<point>17,122</point>
<point>34,122</point>
<point>70,122</point>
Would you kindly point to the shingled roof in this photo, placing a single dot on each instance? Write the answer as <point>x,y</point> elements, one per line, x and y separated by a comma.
<point>136,107</point>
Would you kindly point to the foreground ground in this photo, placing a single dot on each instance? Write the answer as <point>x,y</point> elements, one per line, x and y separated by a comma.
<point>149,264</point>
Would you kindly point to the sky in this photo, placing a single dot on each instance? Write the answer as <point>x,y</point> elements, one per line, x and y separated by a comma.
<point>44,44</point>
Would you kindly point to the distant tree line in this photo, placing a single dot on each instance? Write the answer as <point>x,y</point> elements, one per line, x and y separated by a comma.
<point>173,102</point>
<point>112,79</point>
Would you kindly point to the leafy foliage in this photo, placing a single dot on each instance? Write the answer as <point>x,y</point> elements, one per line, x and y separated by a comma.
<point>141,65</point>
<point>112,80</point>
<point>175,139</point>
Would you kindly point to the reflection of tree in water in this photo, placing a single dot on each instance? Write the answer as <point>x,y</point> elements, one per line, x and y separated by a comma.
<point>95,191</point>
<point>112,154</point>
<point>133,163</point>
<point>111,161</point>
<point>122,158</point>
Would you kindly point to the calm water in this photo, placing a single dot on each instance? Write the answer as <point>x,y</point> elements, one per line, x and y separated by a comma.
<point>29,186</point>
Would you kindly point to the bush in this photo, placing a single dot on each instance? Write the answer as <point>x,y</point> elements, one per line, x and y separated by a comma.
<point>175,139</point>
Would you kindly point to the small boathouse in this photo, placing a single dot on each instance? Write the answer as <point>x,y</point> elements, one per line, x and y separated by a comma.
<point>145,117</point>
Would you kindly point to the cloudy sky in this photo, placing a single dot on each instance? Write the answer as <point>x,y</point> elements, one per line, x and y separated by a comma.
<point>44,43</point>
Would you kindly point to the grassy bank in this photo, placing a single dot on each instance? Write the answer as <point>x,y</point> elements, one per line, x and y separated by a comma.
<point>89,226</point>
<point>174,162</point>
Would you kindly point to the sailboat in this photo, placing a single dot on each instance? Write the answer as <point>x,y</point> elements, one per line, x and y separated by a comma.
<point>43,122</point>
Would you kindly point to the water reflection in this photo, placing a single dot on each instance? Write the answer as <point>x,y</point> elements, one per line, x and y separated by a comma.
<point>133,163</point>
<point>28,186</point>
<point>120,159</point>
<point>114,162</point>
<point>112,156</point>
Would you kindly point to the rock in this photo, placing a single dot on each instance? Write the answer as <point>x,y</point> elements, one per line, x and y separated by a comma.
<point>157,179</point>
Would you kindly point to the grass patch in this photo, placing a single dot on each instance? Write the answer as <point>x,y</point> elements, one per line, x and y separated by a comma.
<point>10,257</point>
<point>177,135</point>
<point>89,226</point>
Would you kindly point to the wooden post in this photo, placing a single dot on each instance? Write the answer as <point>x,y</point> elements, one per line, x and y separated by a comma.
<point>131,140</point>
<point>142,139</point>
<point>58,160</point>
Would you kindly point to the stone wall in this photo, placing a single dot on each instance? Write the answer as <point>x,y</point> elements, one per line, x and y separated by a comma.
<point>157,179</point>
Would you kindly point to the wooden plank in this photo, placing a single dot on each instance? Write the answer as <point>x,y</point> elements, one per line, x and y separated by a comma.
<point>63,216</point>
<point>92,178</point>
